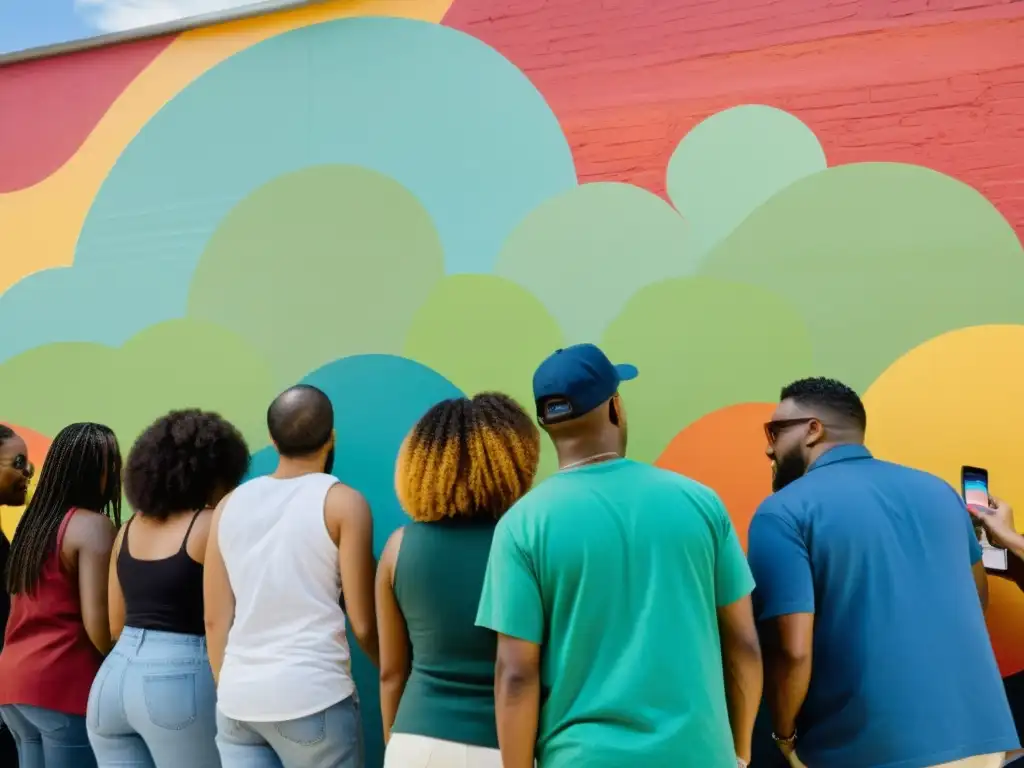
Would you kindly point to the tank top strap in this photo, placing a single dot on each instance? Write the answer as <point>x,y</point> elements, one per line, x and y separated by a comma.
<point>64,528</point>
<point>188,533</point>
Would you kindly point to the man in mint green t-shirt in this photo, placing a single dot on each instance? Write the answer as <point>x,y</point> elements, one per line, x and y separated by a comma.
<point>616,590</point>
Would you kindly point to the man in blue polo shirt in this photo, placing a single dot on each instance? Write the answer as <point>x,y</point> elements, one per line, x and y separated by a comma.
<point>870,573</point>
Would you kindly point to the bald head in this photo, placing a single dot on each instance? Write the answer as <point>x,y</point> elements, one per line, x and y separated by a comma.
<point>300,421</point>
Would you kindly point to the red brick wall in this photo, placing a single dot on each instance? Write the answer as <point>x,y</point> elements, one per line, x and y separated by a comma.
<point>938,83</point>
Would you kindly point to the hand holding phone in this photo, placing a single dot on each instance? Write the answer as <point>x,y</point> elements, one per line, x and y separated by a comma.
<point>974,485</point>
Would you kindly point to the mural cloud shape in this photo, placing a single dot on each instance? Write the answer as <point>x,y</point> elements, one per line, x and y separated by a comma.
<point>119,15</point>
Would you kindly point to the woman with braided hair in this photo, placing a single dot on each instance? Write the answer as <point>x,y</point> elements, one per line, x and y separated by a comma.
<point>58,631</point>
<point>459,470</point>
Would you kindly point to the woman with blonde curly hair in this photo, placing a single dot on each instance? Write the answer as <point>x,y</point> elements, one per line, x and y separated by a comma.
<point>459,470</point>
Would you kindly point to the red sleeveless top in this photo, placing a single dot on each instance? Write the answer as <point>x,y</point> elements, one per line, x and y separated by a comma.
<point>48,660</point>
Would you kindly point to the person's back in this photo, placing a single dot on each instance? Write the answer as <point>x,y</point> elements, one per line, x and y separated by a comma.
<point>631,576</point>
<point>287,653</point>
<point>904,673</point>
<point>438,574</point>
<point>48,660</point>
<point>177,471</point>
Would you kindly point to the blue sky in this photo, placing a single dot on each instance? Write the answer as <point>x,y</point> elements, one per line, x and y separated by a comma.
<point>31,23</point>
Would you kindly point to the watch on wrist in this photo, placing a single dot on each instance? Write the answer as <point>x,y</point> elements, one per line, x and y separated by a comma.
<point>741,763</point>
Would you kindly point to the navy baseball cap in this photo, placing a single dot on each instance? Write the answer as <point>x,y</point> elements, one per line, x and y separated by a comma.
<point>574,381</point>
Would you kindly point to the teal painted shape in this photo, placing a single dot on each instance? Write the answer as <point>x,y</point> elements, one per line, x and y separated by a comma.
<point>435,109</point>
<point>377,400</point>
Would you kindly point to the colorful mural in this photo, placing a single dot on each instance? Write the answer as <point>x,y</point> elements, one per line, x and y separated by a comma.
<point>399,210</point>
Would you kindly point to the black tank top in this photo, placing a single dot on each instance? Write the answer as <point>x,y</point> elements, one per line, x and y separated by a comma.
<point>165,595</point>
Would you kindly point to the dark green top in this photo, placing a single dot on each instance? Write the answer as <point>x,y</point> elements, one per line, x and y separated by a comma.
<point>438,578</point>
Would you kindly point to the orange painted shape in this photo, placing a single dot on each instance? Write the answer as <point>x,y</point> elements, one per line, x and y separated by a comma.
<point>725,451</point>
<point>38,444</point>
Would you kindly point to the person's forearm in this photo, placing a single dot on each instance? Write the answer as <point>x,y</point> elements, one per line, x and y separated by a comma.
<point>1014,542</point>
<point>391,690</point>
<point>369,641</point>
<point>216,644</point>
<point>744,677</point>
<point>787,681</point>
<point>517,704</point>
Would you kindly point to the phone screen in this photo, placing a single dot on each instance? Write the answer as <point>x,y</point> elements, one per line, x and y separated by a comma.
<point>974,481</point>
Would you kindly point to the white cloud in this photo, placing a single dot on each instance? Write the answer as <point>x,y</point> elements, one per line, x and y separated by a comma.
<point>119,15</point>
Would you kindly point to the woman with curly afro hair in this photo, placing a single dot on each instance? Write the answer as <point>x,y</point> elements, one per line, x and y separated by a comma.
<point>459,470</point>
<point>153,701</point>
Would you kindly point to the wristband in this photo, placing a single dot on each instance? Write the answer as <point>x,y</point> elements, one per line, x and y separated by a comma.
<point>788,741</point>
<point>741,763</point>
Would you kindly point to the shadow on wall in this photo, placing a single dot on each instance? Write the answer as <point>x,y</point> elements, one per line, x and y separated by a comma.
<point>434,246</point>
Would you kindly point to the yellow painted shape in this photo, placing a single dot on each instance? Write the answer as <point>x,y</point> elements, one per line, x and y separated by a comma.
<point>959,399</point>
<point>40,225</point>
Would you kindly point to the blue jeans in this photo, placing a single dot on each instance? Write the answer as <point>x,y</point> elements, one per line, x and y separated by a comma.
<point>48,738</point>
<point>153,703</point>
<point>332,738</point>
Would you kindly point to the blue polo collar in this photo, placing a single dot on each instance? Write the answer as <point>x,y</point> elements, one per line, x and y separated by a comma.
<point>841,453</point>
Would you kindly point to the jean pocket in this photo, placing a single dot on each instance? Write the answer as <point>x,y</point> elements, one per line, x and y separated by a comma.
<point>170,699</point>
<point>305,731</point>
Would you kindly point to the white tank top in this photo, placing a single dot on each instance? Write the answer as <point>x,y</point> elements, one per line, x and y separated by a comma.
<point>287,654</point>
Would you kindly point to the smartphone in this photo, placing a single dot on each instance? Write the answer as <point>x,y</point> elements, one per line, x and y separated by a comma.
<point>974,486</point>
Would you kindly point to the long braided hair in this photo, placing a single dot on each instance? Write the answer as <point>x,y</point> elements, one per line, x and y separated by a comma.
<point>467,458</point>
<point>82,469</point>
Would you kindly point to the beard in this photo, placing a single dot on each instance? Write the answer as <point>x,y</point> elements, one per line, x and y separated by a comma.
<point>329,462</point>
<point>787,469</point>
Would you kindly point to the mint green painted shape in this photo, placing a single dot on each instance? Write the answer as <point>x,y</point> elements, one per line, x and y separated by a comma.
<point>319,264</point>
<point>878,258</point>
<point>171,365</point>
<point>585,252</point>
<point>702,344</point>
<point>485,333</point>
<point>732,162</point>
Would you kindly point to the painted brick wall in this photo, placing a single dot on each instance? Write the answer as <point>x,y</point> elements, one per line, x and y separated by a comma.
<point>939,83</point>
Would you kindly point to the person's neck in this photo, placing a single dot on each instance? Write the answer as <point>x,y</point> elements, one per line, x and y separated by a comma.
<point>578,452</point>
<point>291,468</point>
<point>822,448</point>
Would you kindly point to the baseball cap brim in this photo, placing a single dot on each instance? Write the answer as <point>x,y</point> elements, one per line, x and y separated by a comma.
<point>627,372</point>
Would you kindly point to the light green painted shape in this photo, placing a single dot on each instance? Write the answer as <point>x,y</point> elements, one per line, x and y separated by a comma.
<point>317,265</point>
<point>584,253</point>
<point>175,364</point>
<point>485,333</point>
<point>878,258</point>
<point>732,162</point>
<point>701,344</point>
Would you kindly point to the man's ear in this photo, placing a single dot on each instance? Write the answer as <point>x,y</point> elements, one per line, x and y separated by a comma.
<point>815,433</point>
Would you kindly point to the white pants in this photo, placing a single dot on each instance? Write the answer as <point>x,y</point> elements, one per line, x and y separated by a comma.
<point>406,750</point>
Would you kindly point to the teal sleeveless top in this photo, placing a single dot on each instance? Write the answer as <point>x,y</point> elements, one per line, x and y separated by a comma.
<point>437,583</point>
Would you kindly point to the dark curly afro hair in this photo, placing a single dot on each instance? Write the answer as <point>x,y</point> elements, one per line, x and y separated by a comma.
<point>182,460</point>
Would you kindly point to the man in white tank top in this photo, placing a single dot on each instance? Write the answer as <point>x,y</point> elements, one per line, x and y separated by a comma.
<point>282,550</point>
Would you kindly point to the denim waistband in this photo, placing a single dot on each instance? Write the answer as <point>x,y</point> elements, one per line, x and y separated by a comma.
<point>133,637</point>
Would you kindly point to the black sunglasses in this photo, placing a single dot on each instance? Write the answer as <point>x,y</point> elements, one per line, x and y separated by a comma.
<point>773,429</point>
<point>20,463</point>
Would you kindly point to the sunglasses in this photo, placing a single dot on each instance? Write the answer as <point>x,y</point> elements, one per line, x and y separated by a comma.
<point>773,429</point>
<point>20,463</point>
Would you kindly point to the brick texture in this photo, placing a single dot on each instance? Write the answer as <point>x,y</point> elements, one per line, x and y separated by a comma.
<point>939,83</point>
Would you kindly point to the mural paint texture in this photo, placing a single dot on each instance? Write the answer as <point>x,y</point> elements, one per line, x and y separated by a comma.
<point>404,201</point>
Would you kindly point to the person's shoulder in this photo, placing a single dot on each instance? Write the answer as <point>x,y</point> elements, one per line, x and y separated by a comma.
<point>345,502</point>
<point>787,503</point>
<point>90,530</point>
